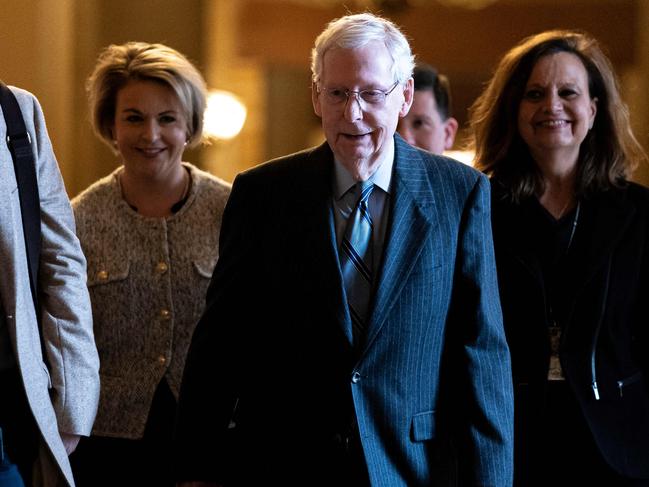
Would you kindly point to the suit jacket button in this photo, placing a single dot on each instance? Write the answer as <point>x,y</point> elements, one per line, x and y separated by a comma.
<point>356,377</point>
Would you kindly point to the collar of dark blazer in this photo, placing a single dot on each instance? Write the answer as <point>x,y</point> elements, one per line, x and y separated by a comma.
<point>606,214</point>
<point>609,215</point>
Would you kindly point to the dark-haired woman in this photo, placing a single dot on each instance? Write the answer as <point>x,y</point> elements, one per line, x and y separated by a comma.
<point>572,244</point>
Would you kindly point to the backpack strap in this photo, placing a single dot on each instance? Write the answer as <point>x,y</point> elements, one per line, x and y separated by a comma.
<point>20,146</point>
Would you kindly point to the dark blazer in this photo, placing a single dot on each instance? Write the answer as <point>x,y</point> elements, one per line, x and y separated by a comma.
<point>272,384</point>
<point>605,345</point>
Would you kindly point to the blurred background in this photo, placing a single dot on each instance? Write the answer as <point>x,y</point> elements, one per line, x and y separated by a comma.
<point>258,52</point>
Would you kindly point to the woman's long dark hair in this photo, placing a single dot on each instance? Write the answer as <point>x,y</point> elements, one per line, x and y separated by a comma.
<point>608,154</point>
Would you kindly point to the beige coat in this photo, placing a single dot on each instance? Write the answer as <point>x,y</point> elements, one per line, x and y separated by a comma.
<point>63,398</point>
<point>147,278</point>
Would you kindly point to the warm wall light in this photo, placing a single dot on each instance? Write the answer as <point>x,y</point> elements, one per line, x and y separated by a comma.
<point>224,116</point>
<point>464,156</point>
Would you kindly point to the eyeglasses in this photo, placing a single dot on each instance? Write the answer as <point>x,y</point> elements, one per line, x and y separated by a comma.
<point>372,97</point>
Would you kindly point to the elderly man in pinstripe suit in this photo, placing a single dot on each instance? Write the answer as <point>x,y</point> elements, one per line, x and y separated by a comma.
<point>353,329</point>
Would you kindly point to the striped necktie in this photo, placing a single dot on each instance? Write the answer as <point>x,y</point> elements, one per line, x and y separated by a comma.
<point>356,260</point>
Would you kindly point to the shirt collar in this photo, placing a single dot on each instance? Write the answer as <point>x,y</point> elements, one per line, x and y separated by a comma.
<point>381,177</point>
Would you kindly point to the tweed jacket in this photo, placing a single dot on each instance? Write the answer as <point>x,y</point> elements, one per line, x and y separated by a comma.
<point>147,279</point>
<point>63,394</point>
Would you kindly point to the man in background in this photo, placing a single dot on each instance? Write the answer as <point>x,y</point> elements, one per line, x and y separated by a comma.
<point>429,124</point>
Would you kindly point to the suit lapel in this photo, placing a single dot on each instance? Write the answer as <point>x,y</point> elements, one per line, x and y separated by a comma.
<point>320,237</point>
<point>409,226</point>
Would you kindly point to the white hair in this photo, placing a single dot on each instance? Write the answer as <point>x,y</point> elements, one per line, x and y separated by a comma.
<point>354,31</point>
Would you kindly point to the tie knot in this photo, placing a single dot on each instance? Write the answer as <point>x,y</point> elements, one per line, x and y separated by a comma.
<point>364,190</point>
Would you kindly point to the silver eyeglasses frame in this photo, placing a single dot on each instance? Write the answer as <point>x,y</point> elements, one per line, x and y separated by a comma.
<point>340,96</point>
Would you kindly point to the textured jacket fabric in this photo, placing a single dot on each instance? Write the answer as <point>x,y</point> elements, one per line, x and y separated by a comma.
<point>273,384</point>
<point>606,335</point>
<point>62,395</point>
<point>147,279</point>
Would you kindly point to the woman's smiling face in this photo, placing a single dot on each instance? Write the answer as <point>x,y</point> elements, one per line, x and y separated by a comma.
<point>150,127</point>
<point>556,111</point>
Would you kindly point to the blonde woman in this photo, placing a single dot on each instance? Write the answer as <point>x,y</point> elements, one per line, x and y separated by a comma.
<point>150,233</point>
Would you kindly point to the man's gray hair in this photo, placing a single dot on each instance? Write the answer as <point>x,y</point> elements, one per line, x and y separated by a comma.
<point>355,31</point>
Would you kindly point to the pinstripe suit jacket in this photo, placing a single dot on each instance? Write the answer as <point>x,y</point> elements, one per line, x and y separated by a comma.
<point>64,396</point>
<point>271,381</point>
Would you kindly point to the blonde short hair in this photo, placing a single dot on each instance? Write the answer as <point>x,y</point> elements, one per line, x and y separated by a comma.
<point>119,64</point>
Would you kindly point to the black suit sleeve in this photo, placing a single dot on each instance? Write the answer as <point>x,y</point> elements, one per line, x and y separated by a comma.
<point>209,392</point>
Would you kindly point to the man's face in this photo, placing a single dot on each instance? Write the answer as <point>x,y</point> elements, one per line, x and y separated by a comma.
<point>423,126</point>
<point>358,132</point>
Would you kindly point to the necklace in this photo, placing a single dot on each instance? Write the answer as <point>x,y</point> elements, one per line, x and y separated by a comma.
<point>174,207</point>
<point>575,221</point>
<point>179,204</point>
<point>555,372</point>
<point>563,210</point>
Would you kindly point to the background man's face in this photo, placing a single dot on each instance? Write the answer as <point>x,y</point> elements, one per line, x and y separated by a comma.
<point>423,126</point>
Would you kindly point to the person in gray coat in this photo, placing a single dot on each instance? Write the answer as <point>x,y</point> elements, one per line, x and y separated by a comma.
<point>49,373</point>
